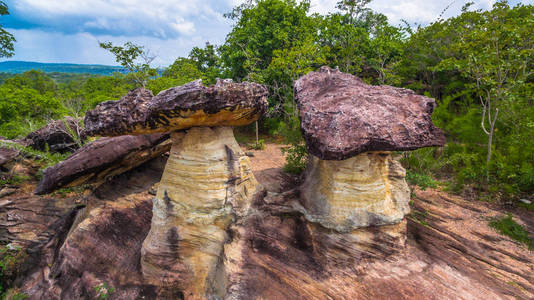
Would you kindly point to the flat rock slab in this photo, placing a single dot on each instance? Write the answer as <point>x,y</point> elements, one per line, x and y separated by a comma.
<point>341,116</point>
<point>223,104</point>
<point>101,159</point>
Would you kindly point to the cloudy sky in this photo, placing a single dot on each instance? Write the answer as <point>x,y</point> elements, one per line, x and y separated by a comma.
<point>69,30</point>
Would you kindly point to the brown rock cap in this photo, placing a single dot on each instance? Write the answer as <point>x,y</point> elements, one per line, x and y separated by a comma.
<point>341,116</point>
<point>223,104</point>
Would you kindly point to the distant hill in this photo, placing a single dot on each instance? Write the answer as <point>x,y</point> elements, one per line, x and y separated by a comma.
<point>23,66</point>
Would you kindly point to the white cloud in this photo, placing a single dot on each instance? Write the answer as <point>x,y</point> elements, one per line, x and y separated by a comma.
<point>35,45</point>
<point>159,18</point>
<point>69,30</point>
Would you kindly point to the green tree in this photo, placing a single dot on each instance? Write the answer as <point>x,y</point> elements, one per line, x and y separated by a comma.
<point>7,40</point>
<point>262,27</point>
<point>134,58</point>
<point>495,54</point>
<point>208,62</point>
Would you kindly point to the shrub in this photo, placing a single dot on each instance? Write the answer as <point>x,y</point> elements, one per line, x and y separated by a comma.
<point>421,180</point>
<point>296,159</point>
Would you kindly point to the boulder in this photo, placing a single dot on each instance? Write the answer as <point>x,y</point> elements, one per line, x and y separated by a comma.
<point>58,136</point>
<point>99,160</point>
<point>7,155</point>
<point>223,104</point>
<point>341,116</point>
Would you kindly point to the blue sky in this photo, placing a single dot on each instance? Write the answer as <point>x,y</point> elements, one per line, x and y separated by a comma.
<point>69,30</point>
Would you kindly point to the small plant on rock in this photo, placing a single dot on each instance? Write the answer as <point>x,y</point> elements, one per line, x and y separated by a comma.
<point>103,291</point>
<point>506,225</point>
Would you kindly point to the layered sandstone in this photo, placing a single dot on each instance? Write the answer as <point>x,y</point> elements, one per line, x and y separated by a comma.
<point>365,190</point>
<point>207,184</point>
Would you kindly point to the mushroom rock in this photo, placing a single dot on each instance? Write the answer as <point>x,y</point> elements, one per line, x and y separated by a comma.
<point>352,180</point>
<point>206,186</point>
<point>102,159</point>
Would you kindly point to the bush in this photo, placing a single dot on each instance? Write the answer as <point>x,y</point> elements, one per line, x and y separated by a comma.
<point>421,180</point>
<point>296,159</point>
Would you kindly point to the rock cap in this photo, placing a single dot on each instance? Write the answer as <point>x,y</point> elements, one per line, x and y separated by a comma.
<point>341,116</point>
<point>224,104</point>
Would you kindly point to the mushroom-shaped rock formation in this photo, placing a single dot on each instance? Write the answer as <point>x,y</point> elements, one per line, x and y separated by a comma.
<point>352,179</point>
<point>207,183</point>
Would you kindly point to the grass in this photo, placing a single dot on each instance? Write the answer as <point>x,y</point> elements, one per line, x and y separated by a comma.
<point>420,216</point>
<point>506,225</point>
<point>47,158</point>
<point>421,180</point>
<point>14,180</point>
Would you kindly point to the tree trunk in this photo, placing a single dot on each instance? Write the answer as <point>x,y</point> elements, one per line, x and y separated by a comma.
<point>257,140</point>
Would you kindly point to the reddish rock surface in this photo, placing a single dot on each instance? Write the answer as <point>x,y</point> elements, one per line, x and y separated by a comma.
<point>101,159</point>
<point>223,104</point>
<point>450,253</point>
<point>124,114</point>
<point>341,116</point>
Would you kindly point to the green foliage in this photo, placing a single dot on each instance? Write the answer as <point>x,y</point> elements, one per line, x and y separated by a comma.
<point>257,146</point>
<point>506,225</point>
<point>104,291</point>
<point>14,179</point>
<point>296,159</point>
<point>46,158</point>
<point>421,180</point>
<point>10,263</point>
<point>134,58</point>
<point>6,39</point>
<point>479,66</point>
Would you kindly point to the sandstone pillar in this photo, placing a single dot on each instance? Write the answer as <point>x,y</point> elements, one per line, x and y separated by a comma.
<point>206,185</point>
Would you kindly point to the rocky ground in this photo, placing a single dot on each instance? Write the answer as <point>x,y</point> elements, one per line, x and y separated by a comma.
<point>86,244</point>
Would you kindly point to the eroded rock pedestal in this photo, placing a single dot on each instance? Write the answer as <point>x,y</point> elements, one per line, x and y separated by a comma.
<point>365,190</point>
<point>206,185</point>
<point>352,181</point>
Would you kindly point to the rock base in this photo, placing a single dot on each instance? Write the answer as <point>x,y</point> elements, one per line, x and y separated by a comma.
<point>207,184</point>
<point>366,190</point>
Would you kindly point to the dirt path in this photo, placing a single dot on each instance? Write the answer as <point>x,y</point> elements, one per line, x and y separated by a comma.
<point>270,157</point>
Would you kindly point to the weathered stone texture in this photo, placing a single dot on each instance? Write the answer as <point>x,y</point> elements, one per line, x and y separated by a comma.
<point>341,116</point>
<point>206,184</point>
<point>102,159</point>
<point>366,190</point>
<point>111,118</point>
<point>57,136</point>
<point>223,104</point>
